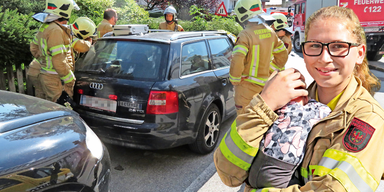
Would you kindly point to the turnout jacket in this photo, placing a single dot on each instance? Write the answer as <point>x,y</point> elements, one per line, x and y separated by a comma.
<point>165,26</point>
<point>78,45</point>
<point>103,28</point>
<point>257,51</point>
<point>52,48</point>
<point>343,151</point>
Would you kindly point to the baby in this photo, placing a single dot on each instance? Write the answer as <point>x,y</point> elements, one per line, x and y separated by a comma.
<point>282,148</point>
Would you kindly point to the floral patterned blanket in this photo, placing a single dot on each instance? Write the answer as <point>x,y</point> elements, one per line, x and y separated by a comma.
<point>286,138</point>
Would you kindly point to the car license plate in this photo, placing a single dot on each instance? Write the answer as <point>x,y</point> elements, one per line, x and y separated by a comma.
<point>98,103</point>
<point>129,104</point>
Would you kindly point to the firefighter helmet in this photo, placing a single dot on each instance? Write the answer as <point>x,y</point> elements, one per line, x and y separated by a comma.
<point>83,27</point>
<point>247,9</point>
<point>281,21</point>
<point>170,10</point>
<point>61,8</point>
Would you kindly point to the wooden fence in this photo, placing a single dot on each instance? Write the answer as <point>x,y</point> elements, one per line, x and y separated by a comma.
<point>13,80</point>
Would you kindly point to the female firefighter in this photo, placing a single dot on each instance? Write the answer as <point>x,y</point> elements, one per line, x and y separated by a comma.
<point>344,150</point>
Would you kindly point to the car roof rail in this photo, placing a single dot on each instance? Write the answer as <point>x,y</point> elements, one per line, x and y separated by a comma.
<point>159,30</point>
<point>181,35</point>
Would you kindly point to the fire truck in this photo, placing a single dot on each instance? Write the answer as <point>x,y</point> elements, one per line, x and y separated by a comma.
<point>370,13</point>
<point>286,11</point>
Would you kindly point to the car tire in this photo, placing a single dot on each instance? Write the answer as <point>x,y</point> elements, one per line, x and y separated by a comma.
<point>296,43</point>
<point>373,56</point>
<point>208,132</point>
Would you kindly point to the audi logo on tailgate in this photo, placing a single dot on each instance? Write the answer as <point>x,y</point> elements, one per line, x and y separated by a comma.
<point>98,86</point>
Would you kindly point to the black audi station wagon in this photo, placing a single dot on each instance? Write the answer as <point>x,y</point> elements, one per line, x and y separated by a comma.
<point>157,90</point>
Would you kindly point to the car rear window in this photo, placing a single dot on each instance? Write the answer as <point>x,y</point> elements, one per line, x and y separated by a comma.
<point>136,60</point>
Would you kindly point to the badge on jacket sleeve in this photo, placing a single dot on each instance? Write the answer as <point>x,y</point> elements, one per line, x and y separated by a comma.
<point>358,135</point>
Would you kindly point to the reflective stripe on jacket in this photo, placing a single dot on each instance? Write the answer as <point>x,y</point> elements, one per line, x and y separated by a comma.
<point>257,49</point>
<point>54,50</point>
<point>328,164</point>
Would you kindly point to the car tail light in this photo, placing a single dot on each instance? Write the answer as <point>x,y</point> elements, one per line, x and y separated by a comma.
<point>80,91</point>
<point>113,97</point>
<point>163,102</point>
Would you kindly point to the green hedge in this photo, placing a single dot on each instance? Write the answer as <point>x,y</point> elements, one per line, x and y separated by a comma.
<point>94,9</point>
<point>131,13</point>
<point>23,6</point>
<point>18,28</point>
<point>16,32</point>
<point>203,21</point>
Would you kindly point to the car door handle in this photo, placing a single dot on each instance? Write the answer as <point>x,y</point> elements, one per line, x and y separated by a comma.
<point>224,82</point>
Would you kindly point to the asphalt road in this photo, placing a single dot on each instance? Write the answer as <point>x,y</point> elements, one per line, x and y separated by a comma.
<point>178,169</point>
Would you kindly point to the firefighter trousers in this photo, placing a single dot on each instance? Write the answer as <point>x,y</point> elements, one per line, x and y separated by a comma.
<point>33,77</point>
<point>244,93</point>
<point>53,87</point>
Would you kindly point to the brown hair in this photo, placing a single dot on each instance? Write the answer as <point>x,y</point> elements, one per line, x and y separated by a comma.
<point>352,23</point>
<point>109,13</point>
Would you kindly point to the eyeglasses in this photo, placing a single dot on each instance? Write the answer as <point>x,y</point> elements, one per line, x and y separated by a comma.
<point>335,49</point>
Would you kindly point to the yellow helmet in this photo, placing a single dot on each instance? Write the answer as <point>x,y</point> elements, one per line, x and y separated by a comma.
<point>281,21</point>
<point>61,8</point>
<point>83,27</point>
<point>247,9</point>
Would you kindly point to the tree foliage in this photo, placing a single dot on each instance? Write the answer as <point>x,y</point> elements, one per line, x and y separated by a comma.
<point>203,20</point>
<point>94,9</point>
<point>23,6</point>
<point>130,13</point>
<point>178,4</point>
<point>151,4</point>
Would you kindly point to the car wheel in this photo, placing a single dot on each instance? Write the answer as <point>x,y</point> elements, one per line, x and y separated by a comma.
<point>373,56</point>
<point>209,131</point>
<point>296,43</point>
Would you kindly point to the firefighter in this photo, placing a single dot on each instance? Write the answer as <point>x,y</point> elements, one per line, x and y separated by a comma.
<point>82,28</point>
<point>52,49</point>
<point>343,151</point>
<point>282,30</point>
<point>106,25</point>
<point>170,22</point>
<point>251,56</point>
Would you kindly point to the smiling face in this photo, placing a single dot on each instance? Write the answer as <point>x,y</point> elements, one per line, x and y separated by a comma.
<point>332,73</point>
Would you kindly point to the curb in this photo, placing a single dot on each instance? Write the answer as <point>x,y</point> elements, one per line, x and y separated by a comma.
<point>375,67</point>
<point>202,179</point>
